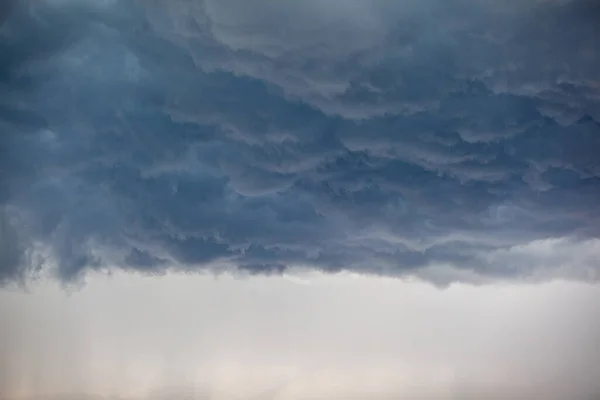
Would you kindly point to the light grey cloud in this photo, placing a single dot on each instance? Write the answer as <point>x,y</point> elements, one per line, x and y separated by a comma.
<point>380,137</point>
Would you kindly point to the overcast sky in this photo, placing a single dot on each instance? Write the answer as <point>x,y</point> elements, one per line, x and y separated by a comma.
<point>433,165</point>
<point>310,337</point>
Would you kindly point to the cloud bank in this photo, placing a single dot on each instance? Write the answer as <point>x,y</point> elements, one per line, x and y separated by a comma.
<point>448,140</point>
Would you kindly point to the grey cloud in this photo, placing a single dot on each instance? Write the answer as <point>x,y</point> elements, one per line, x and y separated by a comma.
<point>378,137</point>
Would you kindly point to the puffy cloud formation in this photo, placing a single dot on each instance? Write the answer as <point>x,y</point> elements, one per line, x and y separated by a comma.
<point>444,139</point>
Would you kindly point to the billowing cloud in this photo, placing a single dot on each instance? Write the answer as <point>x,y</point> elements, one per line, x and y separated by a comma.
<point>451,140</point>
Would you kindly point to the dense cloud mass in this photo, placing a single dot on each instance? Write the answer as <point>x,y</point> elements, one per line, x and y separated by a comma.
<point>444,139</point>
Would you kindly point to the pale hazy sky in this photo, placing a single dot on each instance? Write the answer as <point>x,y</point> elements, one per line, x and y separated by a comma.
<point>312,336</point>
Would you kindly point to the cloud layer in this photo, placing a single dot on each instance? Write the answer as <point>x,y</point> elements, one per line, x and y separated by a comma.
<point>451,140</point>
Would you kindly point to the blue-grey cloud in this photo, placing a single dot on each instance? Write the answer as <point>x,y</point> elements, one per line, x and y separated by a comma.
<point>404,138</point>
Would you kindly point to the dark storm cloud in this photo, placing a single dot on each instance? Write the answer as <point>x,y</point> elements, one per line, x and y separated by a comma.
<point>381,137</point>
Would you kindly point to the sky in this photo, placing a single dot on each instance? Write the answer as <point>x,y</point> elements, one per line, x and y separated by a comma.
<point>437,158</point>
<point>301,336</point>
